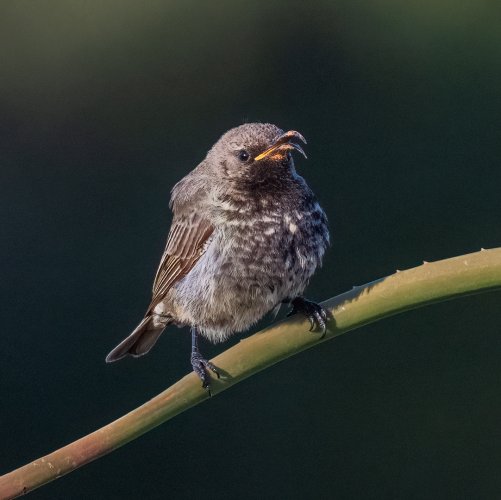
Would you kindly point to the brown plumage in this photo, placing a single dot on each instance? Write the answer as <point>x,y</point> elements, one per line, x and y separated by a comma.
<point>185,245</point>
<point>246,235</point>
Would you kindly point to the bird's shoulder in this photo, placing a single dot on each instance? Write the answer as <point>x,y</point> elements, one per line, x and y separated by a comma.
<point>191,190</point>
<point>189,233</point>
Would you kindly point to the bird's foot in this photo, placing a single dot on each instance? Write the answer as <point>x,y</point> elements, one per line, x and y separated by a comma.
<point>316,314</point>
<point>200,367</point>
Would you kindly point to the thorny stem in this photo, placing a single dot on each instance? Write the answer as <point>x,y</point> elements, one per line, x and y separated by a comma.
<point>431,282</point>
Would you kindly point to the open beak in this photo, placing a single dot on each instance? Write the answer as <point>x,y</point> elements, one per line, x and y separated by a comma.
<point>282,145</point>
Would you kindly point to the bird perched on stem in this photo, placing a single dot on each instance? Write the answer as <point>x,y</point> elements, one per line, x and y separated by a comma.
<point>247,235</point>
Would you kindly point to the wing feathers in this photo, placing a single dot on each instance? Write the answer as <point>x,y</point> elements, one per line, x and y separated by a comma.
<point>185,245</point>
<point>186,236</point>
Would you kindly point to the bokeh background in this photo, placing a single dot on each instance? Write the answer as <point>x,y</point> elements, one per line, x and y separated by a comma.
<point>105,105</point>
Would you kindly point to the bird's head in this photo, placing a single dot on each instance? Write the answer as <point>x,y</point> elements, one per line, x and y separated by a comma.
<point>255,154</point>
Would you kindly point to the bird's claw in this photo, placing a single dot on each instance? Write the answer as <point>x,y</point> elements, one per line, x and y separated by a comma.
<point>200,366</point>
<point>316,314</point>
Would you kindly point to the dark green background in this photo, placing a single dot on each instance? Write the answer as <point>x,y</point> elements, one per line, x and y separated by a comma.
<point>105,105</point>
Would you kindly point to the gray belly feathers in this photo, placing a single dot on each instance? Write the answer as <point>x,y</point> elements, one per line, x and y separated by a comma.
<point>247,269</point>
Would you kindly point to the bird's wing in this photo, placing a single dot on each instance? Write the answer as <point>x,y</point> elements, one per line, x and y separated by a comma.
<point>186,243</point>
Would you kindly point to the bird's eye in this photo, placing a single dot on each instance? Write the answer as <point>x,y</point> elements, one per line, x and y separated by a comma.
<point>243,155</point>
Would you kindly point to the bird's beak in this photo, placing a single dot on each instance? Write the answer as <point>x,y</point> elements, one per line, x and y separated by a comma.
<point>283,144</point>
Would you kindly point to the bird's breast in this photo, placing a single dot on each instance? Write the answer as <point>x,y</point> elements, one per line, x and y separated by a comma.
<point>250,265</point>
<point>280,242</point>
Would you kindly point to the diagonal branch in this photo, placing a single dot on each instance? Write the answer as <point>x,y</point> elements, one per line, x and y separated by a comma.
<point>431,282</point>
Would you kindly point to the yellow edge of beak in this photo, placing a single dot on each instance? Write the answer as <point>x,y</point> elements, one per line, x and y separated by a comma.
<point>265,153</point>
<point>279,149</point>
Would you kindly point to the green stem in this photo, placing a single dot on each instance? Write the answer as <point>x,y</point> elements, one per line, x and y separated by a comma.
<point>431,282</point>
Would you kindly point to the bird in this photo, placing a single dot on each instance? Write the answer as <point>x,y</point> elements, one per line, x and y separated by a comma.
<point>247,234</point>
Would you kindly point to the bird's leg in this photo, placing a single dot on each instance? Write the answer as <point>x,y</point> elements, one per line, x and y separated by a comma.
<point>199,363</point>
<point>316,314</point>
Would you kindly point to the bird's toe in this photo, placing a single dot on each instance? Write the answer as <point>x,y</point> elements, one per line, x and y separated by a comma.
<point>200,367</point>
<point>316,314</point>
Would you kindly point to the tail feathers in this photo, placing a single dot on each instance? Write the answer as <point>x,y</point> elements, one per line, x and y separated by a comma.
<point>139,342</point>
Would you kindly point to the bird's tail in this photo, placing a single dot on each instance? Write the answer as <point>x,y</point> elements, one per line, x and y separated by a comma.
<point>139,342</point>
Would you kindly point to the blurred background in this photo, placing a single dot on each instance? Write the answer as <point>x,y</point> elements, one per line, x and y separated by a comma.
<point>105,105</point>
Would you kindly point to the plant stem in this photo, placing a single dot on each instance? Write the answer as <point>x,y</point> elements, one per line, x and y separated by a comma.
<point>431,282</point>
